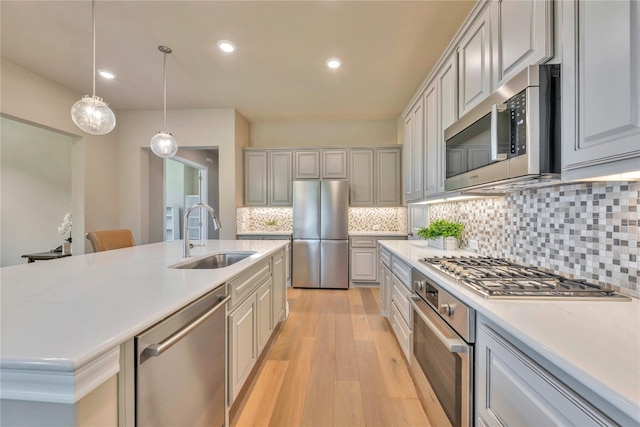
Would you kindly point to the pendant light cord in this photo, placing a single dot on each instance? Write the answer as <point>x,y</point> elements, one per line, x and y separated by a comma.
<point>164,66</point>
<point>93,36</point>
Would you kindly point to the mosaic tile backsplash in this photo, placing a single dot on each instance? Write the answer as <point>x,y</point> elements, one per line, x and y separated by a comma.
<point>360,219</point>
<point>586,230</point>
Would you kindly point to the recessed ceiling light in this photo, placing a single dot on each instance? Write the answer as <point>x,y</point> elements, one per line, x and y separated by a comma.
<point>226,46</point>
<point>106,74</point>
<point>334,63</point>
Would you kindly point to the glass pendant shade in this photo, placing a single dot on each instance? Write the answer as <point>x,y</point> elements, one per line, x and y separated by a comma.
<point>93,115</point>
<point>163,144</point>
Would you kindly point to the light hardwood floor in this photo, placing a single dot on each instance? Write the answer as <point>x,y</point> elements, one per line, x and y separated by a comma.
<point>334,363</point>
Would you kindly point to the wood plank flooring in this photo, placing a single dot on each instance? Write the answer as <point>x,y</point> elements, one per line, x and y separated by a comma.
<point>335,362</point>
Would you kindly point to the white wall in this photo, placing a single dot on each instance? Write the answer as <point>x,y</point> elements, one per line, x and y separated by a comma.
<point>36,189</point>
<point>93,158</point>
<point>324,133</point>
<point>203,128</point>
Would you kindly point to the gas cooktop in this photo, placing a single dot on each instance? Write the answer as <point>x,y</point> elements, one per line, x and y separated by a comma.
<point>499,278</point>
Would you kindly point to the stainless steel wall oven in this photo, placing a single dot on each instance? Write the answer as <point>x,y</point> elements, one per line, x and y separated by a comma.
<point>442,353</point>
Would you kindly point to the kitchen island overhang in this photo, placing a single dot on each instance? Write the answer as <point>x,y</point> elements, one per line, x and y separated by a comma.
<point>63,321</point>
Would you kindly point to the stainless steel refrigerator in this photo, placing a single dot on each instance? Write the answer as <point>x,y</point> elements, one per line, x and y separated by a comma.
<point>320,234</point>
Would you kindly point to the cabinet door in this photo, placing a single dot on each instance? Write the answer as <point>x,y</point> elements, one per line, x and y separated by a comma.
<point>255,178</point>
<point>361,182</point>
<point>408,157</point>
<point>264,313</point>
<point>307,164</point>
<point>279,286</point>
<point>514,390</point>
<point>600,88</point>
<point>387,177</point>
<point>364,265</point>
<point>522,34</point>
<point>385,290</point>
<point>334,164</point>
<point>280,178</point>
<point>448,111</point>
<point>243,348</point>
<point>431,130</point>
<point>474,53</point>
<point>417,154</point>
<point>418,218</point>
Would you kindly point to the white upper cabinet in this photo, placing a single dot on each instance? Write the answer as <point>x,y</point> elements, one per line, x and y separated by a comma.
<point>522,34</point>
<point>255,178</point>
<point>600,88</point>
<point>267,178</point>
<point>447,110</point>
<point>387,177</point>
<point>431,131</point>
<point>362,179</point>
<point>474,54</point>
<point>280,178</point>
<point>334,164</point>
<point>307,164</point>
<point>414,152</point>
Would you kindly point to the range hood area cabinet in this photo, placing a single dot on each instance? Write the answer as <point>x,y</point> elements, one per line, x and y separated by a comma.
<point>600,88</point>
<point>374,174</point>
<point>498,39</point>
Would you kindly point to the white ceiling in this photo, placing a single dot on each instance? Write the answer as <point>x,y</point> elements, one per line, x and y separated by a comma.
<point>278,72</point>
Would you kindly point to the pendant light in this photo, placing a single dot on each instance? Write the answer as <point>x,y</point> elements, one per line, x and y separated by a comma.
<point>91,113</point>
<point>163,144</point>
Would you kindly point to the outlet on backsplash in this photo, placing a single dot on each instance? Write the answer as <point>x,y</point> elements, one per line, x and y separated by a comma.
<point>473,244</point>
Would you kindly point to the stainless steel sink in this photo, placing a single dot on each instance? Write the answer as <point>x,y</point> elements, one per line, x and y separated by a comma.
<point>218,260</point>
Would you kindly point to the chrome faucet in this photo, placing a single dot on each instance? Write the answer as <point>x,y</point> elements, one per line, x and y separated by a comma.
<point>216,225</point>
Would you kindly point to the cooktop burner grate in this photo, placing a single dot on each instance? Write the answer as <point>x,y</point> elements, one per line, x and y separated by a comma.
<point>495,277</point>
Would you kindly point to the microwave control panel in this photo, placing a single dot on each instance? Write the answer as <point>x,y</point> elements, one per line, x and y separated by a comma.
<point>517,107</point>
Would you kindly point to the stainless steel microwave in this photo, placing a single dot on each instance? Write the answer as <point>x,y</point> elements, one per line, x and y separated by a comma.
<point>512,136</point>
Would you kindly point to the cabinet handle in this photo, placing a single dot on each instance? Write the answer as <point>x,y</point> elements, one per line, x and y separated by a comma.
<point>155,350</point>
<point>496,109</point>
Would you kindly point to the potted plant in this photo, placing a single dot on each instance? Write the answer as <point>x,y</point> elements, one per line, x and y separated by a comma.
<point>442,234</point>
<point>271,224</point>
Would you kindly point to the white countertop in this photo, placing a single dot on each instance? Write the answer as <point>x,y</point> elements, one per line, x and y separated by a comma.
<point>597,343</point>
<point>67,314</point>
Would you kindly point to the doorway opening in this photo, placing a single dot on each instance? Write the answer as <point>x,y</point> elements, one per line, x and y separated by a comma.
<point>187,182</point>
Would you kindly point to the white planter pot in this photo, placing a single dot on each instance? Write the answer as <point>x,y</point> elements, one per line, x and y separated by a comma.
<point>444,243</point>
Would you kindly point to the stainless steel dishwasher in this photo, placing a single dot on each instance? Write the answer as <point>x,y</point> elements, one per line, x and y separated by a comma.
<point>180,366</point>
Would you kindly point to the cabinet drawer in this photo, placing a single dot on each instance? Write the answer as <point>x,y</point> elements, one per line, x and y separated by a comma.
<point>385,257</point>
<point>400,296</point>
<point>402,271</point>
<point>247,282</point>
<point>363,242</point>
<point>402,331</point>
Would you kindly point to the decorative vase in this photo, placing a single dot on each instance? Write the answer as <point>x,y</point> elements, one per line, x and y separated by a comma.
<point>444,243</point>
<point>271,228</point>
<point>66,247</point>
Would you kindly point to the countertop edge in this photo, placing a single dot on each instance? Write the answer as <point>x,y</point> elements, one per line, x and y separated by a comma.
<point>67,381</point>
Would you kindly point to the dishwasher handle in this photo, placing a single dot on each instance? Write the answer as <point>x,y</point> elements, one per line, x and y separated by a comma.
<point>155,350</point>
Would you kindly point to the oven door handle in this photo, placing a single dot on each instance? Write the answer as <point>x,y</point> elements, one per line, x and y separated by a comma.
<point>455,345</point>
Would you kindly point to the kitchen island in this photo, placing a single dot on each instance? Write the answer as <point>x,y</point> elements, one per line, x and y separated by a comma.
<point>64,321</point>
<point>591,346</point>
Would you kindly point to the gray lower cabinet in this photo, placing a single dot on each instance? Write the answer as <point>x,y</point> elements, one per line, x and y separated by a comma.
<point>364,256</point>
<point>258,297</point>
<point>514,390</point>
<point>243,346</point>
